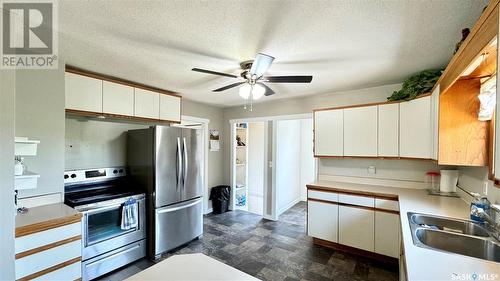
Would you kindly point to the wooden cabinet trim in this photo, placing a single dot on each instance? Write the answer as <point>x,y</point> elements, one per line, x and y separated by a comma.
<point>353,192</point>
<point>369,104</point>
<point>109,78</point>
<point>50,269</point>
<point>322,201</point>
<point>47,247</point>
<point>376,157</point>
<point>46,225</point>
<point>117,116</point>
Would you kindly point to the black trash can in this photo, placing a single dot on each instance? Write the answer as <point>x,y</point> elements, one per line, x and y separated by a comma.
<point>220,198</point>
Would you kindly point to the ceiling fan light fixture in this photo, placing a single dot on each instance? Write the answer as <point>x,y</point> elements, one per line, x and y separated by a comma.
<point>258,91</point>
<point>244,91</point>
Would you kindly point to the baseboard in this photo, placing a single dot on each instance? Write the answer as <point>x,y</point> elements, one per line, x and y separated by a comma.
<point>374,181</point>
<point>288,206</point>
<point>391,262</point>
<point>209,211</point>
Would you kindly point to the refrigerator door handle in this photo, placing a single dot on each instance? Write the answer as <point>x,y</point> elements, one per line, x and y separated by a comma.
<point>179,164</point>
<point>185,168</point>
<point>185,205</point>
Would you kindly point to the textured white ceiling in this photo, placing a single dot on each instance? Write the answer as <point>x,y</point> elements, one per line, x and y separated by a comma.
<point>343,44</point>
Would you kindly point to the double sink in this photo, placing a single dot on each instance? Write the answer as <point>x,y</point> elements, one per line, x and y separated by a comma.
<point>462,237</point>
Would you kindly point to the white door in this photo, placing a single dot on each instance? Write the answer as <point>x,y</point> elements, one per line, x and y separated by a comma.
<point>360,131</point>
<point>147,104</point>
<point>117,99</point>
<point>170,108</point>
<point>415,128</point>
<point>83,93</point>
<point>322,220</point>
<point>329,133</point>
<point>387,234</point>
<point>388,130</point>
<point>356,227</point>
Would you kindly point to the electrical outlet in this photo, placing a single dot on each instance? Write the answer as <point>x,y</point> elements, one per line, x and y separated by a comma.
<point>372,170</point>
<point>485,188</point>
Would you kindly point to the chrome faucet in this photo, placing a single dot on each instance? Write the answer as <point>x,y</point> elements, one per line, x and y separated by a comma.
<point>489,216</point>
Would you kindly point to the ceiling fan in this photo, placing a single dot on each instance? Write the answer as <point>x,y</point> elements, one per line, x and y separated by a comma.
<point>252,72</point>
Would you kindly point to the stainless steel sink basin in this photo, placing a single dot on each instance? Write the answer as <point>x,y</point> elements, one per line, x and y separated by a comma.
<point>457,236</point>
<point>450,225</point>
<point>460,244</point>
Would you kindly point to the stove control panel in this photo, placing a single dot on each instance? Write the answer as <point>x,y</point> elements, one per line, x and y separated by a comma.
<point>90,175</point>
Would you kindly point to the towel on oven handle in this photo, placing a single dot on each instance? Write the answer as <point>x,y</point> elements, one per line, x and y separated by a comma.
<point>130,216</point>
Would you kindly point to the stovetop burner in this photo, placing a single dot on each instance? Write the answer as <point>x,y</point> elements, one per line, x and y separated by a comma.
<point>84,187</point>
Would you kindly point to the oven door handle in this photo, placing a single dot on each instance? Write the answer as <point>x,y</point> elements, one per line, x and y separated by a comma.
<point>102,209</point>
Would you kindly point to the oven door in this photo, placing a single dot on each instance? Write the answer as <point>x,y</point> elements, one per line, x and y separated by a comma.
<point>102,228</point>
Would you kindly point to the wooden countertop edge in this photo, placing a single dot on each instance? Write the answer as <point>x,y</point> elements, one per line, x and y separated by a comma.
<point>46,225</point>
<point>379,195</point>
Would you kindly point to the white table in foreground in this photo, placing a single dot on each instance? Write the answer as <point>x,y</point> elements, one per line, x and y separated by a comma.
<point>191,267</point>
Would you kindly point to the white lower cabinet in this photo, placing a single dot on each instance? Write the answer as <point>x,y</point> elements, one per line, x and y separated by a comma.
<point>322,220</point>
<point>356,227</point>
<point>387,234</point>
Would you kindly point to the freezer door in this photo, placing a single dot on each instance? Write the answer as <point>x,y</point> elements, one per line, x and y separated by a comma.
<point>168,168</point>
<point>177,225</point>
<point>192,170</point>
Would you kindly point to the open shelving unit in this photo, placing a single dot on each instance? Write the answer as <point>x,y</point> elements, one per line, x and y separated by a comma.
<point>239,190</point>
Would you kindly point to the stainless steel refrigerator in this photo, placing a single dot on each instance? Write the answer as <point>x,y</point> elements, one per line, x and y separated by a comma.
<point>167,163</point>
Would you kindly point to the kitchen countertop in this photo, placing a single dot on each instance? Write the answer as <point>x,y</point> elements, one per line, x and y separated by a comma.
<point>425,264</point>
<point>45,217</point>
<point>191,267</point>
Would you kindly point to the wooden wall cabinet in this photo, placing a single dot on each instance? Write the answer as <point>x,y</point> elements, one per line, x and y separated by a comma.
<point>463,139</point>
<point>388,130</point>
<point>360,131</point>
<point>329,133</point>
<point>83,93</point>
<point>415,128</point>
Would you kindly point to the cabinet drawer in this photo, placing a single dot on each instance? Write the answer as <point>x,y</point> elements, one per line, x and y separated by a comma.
<point>357,200</point>
<point>70,272</point>
<point>322,195</point>
<point>43,238</point>
<point>45,259</point>
<point>386,204</point>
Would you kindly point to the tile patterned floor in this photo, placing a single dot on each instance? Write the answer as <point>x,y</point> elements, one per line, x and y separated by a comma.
<point>271,250</point>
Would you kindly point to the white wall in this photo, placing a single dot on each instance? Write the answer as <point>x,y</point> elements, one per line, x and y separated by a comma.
<point>287,164</point>
<point>307,160</point>
<point>40,115</point>
<point>7,129</point>
<point>473,179</point>
<point>95,143</point>
<point>255,167</point>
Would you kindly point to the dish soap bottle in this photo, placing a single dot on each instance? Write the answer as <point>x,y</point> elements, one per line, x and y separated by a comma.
<point>482,203</point>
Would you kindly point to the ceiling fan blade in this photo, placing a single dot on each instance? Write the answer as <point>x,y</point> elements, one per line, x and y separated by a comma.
<point>288,79</point>
<point>261,64</point>
<point>269,91</point>
<point>213,72</point>
<point>228,87</point>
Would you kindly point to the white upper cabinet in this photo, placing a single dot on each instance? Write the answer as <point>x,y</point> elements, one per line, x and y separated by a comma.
<point>415,128</point>
<point>329,132</point>
<point>83,93</point>
<point>117,99</point>
<point>435,122</point>
<point>170,108</point>
<point>360,131</point>
<point>388,130</point>
<point>147,104</point>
